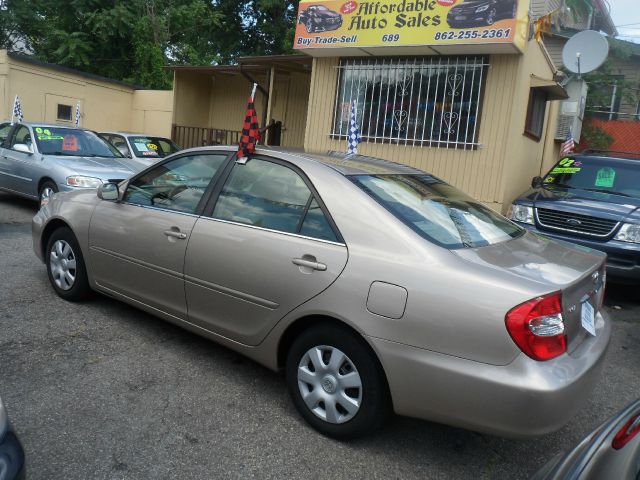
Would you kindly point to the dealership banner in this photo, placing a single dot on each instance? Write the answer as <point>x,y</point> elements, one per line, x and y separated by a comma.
<point>326,24</point>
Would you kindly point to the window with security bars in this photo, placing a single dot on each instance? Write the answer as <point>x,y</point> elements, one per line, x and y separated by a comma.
<point>424,101</point>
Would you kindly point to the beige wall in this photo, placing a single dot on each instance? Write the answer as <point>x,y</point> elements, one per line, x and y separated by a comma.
<point>524,156</point>
<point>191,93</point>
<point>494,173</point>
<point>224,97</point>
<point>152,112</point>
<point>104,105</point>
<point>228,101</point>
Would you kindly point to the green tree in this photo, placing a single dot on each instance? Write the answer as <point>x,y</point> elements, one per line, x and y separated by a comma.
<point>134,40</point>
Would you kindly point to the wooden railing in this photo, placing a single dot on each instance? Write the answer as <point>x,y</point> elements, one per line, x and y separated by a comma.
<point>188,137</point>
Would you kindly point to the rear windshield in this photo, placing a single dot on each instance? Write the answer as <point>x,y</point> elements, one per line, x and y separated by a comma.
<point>596,174</point>
<point>152,146</point>
<point>438,211</point>
<point>72,142</point>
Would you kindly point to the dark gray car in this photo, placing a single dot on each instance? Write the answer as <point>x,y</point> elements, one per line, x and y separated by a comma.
<point>37,160</point>
<point>612,451</point>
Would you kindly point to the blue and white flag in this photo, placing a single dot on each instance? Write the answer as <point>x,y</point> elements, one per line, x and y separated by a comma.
<point>78,114</point>
<point>354,131</point>
<point>17,110</point>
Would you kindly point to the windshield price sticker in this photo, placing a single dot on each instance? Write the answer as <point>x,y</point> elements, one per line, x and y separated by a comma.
<point>587,318</point>
<point>50,137</point>
<point>605,177</point>
<point>70,143</point>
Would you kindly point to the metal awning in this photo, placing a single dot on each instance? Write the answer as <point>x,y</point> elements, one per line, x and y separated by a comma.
<point>554,90</point>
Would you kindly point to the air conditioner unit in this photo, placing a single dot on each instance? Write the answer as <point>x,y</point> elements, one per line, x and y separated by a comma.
<point>572,110</point>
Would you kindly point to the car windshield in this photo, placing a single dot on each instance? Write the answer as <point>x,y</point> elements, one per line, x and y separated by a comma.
<point>152,146</point>
<point>72,142</point>
<point>438,211</point>
<point>607,175</point>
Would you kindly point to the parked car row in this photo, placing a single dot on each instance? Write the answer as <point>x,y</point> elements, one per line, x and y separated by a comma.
<point>38,160</point>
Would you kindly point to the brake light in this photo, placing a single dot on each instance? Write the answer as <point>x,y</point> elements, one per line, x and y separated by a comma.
<point>537,327</point>
<point>626,433</point>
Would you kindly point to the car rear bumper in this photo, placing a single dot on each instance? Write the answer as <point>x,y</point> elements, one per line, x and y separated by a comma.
<point>12,461</point>
<point>623,258</point>
<point>525,398</point>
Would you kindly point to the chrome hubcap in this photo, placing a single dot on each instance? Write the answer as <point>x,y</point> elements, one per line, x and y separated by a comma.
<point>45,195</point>
<point>330,384</point>
<point>62,262</point>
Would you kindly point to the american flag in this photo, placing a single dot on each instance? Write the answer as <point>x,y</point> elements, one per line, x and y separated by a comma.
<point>251,128</point>
<point>78,114</point>
<point>354,132</point>
<point>17,110</point>
<point>569,146</point>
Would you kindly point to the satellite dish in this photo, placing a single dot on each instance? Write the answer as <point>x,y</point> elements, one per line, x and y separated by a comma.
<point>585,52</point>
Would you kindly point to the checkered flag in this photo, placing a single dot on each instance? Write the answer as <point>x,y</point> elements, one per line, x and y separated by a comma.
<point>78,114</point>
<point>354,131</point>
<point>17,110</point>
<point>251,129</point>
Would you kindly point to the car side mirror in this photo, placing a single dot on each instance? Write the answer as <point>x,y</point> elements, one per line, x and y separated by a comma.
<point>536,182</point>
<point>21,147</point>
<point>109,192</point>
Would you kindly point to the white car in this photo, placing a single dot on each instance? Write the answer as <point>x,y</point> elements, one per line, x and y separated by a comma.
<point>147,148</point>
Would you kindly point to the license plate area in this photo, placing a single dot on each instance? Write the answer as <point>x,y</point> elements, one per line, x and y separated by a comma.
<point>588,317</point>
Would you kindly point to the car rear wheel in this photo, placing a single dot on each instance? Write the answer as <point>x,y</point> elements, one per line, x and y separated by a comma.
<point>47,189</point>
<point>336,382</point>
<point>65,266</point>
<point>491,16</point>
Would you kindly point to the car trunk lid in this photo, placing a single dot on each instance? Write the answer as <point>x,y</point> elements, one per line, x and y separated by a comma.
<point>550,265</point>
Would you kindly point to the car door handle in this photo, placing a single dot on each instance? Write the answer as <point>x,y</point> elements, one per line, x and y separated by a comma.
<point>175,234</point>
<point>301,262</point>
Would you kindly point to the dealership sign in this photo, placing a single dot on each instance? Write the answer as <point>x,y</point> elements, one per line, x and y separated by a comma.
<point>339,24</point>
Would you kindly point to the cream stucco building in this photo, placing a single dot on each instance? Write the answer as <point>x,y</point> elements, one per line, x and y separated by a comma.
<point>49,93</point>
<point>480,115</point>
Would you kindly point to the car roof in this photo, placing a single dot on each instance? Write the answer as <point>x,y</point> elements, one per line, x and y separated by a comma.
<point>47,125</point>
<point>132,134</point>
<point>607,158</point>
<point>341,162</point>
<point>611,154</point>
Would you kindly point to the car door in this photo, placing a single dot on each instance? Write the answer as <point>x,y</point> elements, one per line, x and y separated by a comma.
<point>20,168</point>
<point>267,246</point>
<point>5,178</point>
<point>137,245</point>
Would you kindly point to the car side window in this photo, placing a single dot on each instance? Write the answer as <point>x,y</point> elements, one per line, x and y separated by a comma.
<point>175,185</point>
<point>21,135</point>
<point>5,128</point>
<point>269,195</point>
<point>316,225</point>
<point>121,144</point>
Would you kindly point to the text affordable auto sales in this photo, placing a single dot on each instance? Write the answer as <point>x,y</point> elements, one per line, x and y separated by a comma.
<point>336,23</point>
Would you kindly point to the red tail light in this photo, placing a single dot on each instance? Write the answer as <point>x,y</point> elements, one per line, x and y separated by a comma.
<point>537,327</point>
<point>626,433</point>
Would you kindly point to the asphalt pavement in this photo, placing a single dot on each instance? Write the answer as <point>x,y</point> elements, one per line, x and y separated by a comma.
<point>100,390</point>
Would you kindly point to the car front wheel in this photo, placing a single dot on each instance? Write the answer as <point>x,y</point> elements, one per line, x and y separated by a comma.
<point>47,189</point>
<point>65,266</point>
<point>336,382</point>
<point>309,26</point>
